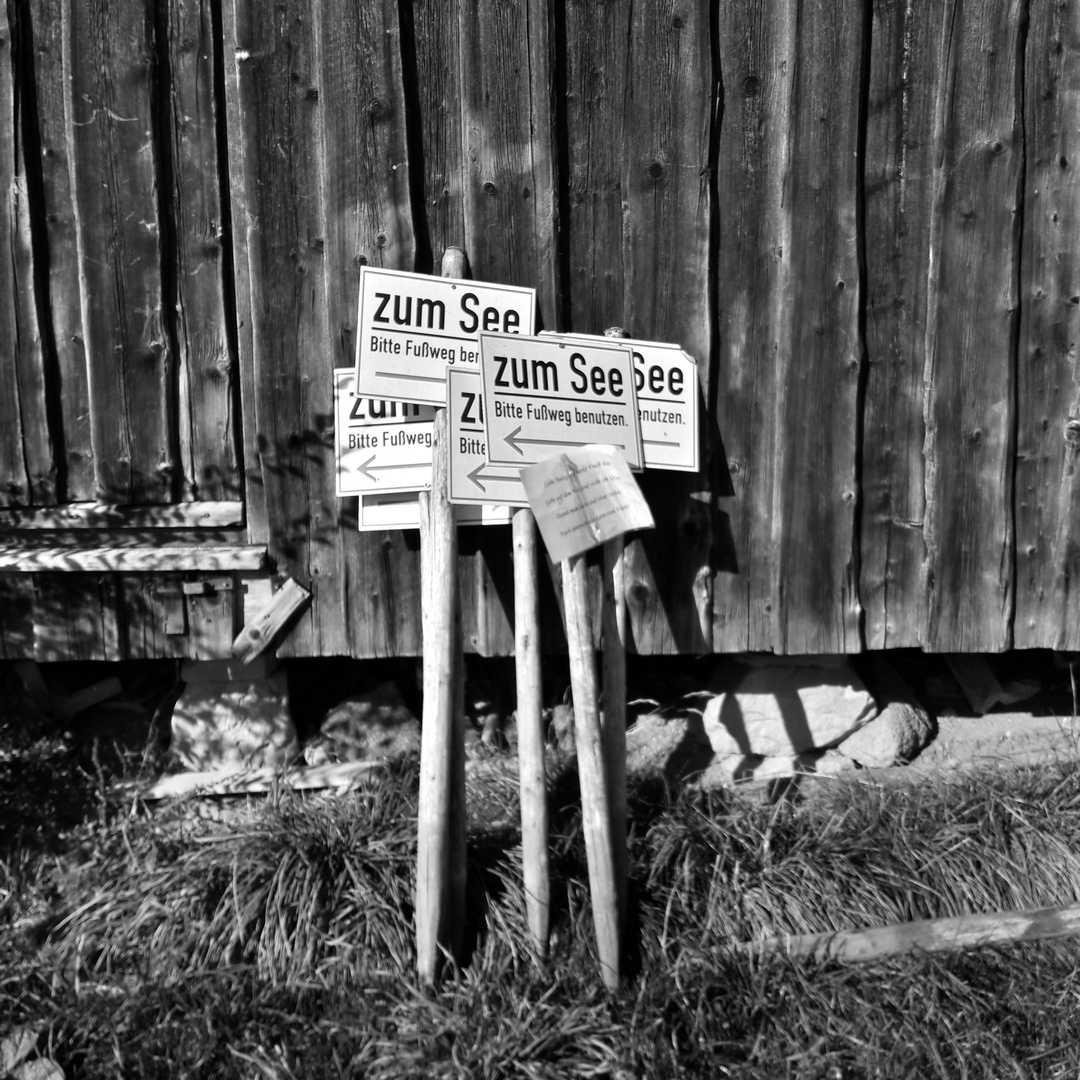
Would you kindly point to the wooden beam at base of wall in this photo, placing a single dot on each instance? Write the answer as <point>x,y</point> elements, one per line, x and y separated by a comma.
<point>94,515</point>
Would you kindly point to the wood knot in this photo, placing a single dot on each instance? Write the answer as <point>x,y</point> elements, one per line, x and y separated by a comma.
<point>1072,433</point>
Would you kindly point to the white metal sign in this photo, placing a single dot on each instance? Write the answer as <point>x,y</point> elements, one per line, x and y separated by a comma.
<point>412,327</point>
<point>665,378</point>
<point>473,479</point>
<point>544,394</point>
<point>381,445</point>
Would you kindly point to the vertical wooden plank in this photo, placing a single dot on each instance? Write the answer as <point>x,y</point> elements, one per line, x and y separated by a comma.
<point>971,328</point>
<point>787,294</point>
<point>819,590</point>
<point>108,60</point>
<point>757,57</point>
<point>435,38</point>
<point>27,474</point>
<point>241,110</point>
<point>1048,379</point>
<point>281,308</point>
<point>488,153</point>
<point>62,318</point>
<point>508,150</point>
<point>597,73</point>
<point>320,185</point>
<point>364,199</point>
<point>382,578</point>
<point>900,158</point>
<point>668,130</point>
<point>207,421</point>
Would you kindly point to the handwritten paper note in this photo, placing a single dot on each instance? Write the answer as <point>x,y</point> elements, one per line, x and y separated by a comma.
<point>583,497</point>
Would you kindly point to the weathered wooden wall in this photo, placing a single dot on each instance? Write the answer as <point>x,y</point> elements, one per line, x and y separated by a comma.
<point>861,219</point>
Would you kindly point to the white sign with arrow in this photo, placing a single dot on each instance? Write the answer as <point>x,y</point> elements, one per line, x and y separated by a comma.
<point>473,479</point>
<point>665,378</point>
<point>382,446</point>
<point>412,327</point>
<point>544,394</point>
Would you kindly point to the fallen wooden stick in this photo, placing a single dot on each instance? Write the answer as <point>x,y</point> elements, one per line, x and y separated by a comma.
<point>256,781</point>
<point>929,935</point>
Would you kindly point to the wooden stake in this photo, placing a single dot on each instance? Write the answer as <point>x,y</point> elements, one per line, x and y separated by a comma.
<point>614,727</point>
<point>440,861</point>
<point>530,727</point>
<point>592,772</point>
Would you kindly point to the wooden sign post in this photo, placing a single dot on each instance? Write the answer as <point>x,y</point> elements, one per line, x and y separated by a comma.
<point>441,854</point>
<point>583,498</point>
<point>532,776</point>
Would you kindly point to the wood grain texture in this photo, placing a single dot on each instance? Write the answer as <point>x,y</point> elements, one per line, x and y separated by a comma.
<point>64,344</point>
<point>364,197</point>
<point>757,56</point>
<point>900,158</point>
<point>667,170</point>
<point>1047,494</point>
<point>489,182</point>
<point>969,356</point>
<point>931,935</point>
<point>788,288</point>
<point>27,473</point>
<point>640,104</point>
<point>108,60</point>
<point>323,187</point>
<point>596,75</point>
<point>207,421</point>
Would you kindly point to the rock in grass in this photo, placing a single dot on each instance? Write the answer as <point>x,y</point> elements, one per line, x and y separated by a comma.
<point>674,746</point>
<point>238,724</point>
<point>375,726</point>
<point>895,736</point>
<point>781,708</point>
<point>900,732</point>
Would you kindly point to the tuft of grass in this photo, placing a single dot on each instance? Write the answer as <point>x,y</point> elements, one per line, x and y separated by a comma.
<point>281,943</point>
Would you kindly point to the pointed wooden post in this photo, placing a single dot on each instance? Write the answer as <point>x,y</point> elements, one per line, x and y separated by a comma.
<point>613,624</point>
<point>441,854</point>
<point>532,778</point>
<point>614,712</point>
<point>602,842</point>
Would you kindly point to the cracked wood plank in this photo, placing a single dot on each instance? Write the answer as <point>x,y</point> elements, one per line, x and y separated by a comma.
<point>1048,379</point>
<point>108,68</point>
<point>971,327</point>
<point>788,303</point>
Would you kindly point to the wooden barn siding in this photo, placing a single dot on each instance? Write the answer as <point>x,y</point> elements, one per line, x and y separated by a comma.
<point>127,371</point>
<point>860,219</point>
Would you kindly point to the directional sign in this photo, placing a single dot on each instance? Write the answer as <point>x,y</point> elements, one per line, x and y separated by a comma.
<point>544,394</point>
<point>381,445</point>
<point>401,510</point>
<point>665,379</point>
<point>412,327</point>
<point>473,479</point>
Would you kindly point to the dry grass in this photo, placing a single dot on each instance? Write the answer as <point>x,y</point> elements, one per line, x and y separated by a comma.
<point>281,944</point>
